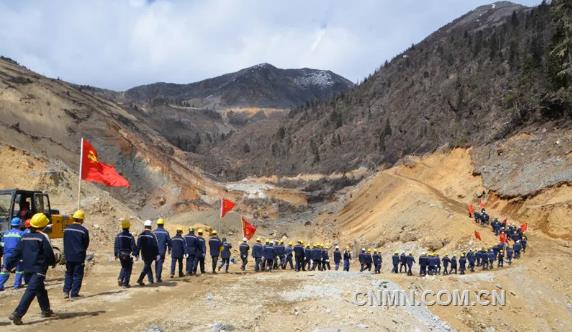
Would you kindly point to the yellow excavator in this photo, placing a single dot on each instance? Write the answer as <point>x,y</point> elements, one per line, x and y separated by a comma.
<point>24,204</point>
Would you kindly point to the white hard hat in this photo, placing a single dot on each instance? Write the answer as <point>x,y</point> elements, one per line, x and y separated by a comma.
<point>337,247</point>
<point>244,239</point>
<point>148,223</point>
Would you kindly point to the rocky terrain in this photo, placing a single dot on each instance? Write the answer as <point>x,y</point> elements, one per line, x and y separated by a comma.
<point>478,111</point>
<point>415,207</point>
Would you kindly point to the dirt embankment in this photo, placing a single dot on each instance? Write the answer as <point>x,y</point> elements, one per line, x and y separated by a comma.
<point>421,206</point>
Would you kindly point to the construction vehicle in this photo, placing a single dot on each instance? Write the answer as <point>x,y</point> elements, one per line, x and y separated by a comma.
<point>26,203</point>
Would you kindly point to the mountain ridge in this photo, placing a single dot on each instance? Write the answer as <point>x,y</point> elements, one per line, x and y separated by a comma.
<point>261,85</point>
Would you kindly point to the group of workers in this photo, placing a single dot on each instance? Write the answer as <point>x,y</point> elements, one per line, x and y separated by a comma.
<point>28,251</point>
<point>485,258</point>
<point>188,252</point>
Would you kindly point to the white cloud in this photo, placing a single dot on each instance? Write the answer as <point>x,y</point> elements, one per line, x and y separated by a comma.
<point>121,43</point>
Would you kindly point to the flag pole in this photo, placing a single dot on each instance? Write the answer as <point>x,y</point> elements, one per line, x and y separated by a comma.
<point>79,174</point>
<point>242,221</point>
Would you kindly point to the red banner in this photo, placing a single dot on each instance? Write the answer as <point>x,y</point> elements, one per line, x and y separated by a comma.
<point>95,171</point>
<point>225,206</point>
<point>248,229</point>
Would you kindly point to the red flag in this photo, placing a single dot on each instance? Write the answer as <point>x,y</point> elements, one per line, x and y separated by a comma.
<point>478,235</point>
<point>225,206</point>
<point>482,204</point>
<point>471,209</point>
<point>524,227</point>
<point>248,229</point>
<point>95,171</point>
<point>503,238</point>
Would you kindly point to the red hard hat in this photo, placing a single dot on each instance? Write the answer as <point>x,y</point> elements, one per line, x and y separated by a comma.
<point>27,223</point>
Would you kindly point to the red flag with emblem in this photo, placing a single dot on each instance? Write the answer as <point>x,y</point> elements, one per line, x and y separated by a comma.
<point>225,206</point>
<point>478,236</point>
<point>524,227</point>
<point>248,229</point>
<point>95,171</point>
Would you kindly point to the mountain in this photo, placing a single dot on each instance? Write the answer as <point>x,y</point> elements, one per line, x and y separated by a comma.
<point>262,85</point>
<point>486,76</point>
<point>196,117</point>
<point>47,117</point>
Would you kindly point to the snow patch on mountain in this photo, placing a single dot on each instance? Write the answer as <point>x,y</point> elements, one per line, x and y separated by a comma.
<point>316,78</point>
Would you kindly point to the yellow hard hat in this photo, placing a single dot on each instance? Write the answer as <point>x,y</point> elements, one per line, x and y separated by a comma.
<point>258,239</point>
<point>213,232</point>
<point>290,243</point>
<point>179,229</point>
<point>125,223</point>
<point>191,229</point>
<point>160,221</point>
<point>281,241</point>
<point>79,214</point>
<point>200,231</point>
<point>368,249</point>
<point>39,220</point>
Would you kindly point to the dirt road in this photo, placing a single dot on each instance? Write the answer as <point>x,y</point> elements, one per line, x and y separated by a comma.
<point>283,300</point>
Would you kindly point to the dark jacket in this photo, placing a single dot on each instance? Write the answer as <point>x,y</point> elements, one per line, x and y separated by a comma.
<point>192,244</point>
<point>244,248</point>
<point>279,250</point>
<point>257,250</point>
<point>147,246</point>
<point>299,250</point>
<point>214,246</point>
<point>409,260</point>
<point>124,244</point>
<point>201,246</point>
<point>76,242</point>
<point>268,252</point>
<point>36,253</point>
<point>163,239</point>
<point>368,258</point>
<point>225,253</point>
<point>337,256</point>
<point>178,246</point>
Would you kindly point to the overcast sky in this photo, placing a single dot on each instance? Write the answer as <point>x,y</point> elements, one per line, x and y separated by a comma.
<point>118,44</point>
